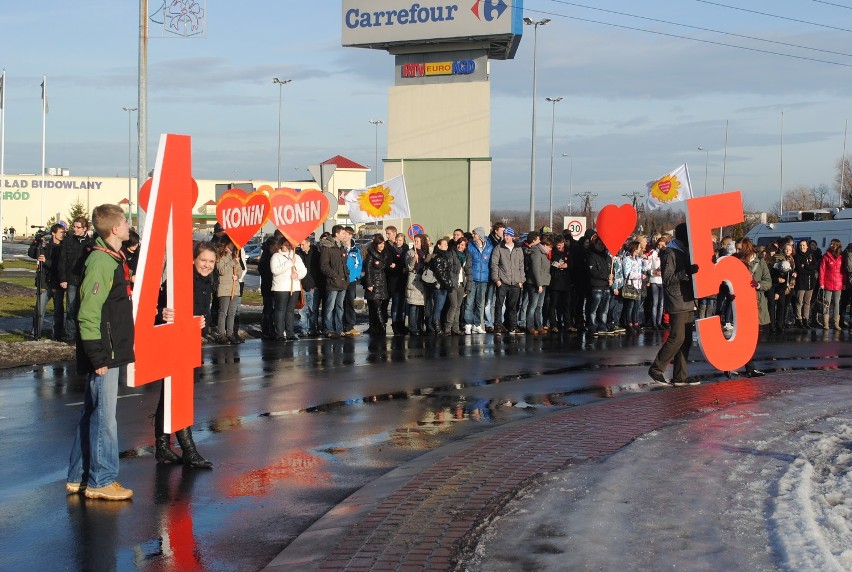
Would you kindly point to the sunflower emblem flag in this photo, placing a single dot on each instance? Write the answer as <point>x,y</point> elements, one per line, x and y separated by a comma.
<point>670,188</point>
<point>384,200</point>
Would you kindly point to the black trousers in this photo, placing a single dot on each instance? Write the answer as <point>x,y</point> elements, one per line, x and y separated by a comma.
<point>676,348</point>
<point>511,295</point>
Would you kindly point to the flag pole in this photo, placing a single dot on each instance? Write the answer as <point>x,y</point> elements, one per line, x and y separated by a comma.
<point>2,148</point>
<point>43,133</point>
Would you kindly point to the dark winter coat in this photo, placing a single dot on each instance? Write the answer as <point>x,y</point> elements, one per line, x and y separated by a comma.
<point>311,260</point>
<point>560,278</point>
<point>508,265</point>
<point>679,296</point>
<point>73,251</point>
<point>807,267</point>
<point>263,267</point>
<point>396,275</point>
<point>374,269</point>
<point>49,269</point>
<point>333,265</point>
<point>600,268</point>
<point>442,266</point>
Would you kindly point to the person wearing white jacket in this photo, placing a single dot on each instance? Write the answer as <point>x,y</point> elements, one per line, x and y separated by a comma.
<point>287,272</point>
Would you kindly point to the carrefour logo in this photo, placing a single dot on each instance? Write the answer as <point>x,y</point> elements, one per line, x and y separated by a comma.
<point>416,14</point>
<point>487,8</point>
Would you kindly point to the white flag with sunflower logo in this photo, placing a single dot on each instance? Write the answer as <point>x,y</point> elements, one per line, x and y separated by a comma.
<point>384,200</point>
<point>669,188</point>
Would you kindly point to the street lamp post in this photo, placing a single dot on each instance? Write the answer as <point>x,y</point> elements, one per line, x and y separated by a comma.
<point>281,83</point>
<point>376,123</point>
<point>554,101</point>
<point>129,111</point>
<point>570,178</point>
<point>706,162</point>
<point>535,24</point>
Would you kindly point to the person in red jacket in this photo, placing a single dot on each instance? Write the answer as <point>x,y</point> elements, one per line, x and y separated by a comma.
<point>831,282</point>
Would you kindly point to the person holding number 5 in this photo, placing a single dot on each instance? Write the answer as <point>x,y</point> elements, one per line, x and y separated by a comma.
<point>679,301</point>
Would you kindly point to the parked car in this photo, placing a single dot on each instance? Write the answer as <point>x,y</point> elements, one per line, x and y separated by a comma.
<point>252,253</point>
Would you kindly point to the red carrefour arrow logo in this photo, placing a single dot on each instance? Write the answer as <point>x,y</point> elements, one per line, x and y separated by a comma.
<point>490,8</point>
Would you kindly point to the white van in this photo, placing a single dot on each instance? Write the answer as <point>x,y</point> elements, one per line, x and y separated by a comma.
<point>821,225</point>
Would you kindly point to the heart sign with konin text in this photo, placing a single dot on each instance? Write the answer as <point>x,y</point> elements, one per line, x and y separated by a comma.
<point>614,224</point>
<point>242,214</point>
<point>297,214</point>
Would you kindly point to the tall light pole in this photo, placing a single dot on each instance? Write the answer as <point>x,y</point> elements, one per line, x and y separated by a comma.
<point>281,83</point>
<point>129,111</point>
<point>376,123</point>
<point>535,24</point>
<point>781,168</point>
<point>553,101</point>
<point>570,178</point>
<point>706,163</point>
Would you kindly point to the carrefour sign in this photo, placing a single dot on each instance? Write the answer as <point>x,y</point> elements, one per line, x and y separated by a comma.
<point>385,23</point>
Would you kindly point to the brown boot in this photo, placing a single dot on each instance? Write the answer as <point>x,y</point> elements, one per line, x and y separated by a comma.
<point>825,324</point>
<point>837,323</point>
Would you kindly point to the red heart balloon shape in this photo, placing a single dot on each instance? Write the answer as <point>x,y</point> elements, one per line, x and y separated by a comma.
<point>614,224</point>
<point>297,214</point>
<point>242,214</point>
<point>145,193</point>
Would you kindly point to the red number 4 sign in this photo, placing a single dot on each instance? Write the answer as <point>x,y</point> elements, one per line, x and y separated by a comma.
<point>168,351</point>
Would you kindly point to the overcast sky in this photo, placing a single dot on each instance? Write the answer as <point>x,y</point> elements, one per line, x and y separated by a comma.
<point>638,99</point>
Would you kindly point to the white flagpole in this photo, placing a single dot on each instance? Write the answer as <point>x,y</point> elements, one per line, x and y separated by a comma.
<point>43,133</point>
<point>2,149</point>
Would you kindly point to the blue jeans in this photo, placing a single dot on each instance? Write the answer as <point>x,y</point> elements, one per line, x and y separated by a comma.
<point>334,311</point>
<point>72,307</point>
<point>474,305</point>
<point>397,300</point>
<point>308,313</point>
<point>415,313</point>
<point>596,309</point>
<point>535,320</point>
<point>657,311</point>
<point>58,297</point>
<point>439,298</point>
<point>490,300</point>
<point>94,454</point>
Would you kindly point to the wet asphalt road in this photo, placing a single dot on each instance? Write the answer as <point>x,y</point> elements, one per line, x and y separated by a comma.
<point>293,429</point>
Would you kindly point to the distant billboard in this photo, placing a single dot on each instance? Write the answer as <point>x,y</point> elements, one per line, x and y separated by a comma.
<point>383,24</point>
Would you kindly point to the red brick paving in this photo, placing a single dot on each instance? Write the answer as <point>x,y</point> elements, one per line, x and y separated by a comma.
<point>428,522</point>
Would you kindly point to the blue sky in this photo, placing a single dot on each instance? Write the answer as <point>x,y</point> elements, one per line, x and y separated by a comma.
<point>636,104</point>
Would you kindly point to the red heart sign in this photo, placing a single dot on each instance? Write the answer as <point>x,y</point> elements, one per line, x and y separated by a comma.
<point>614,224</point>
<point>145,193</point>
<point>297,214</point>
<point>665,186</point>
<point>376,199</point>
<point>242,214</point>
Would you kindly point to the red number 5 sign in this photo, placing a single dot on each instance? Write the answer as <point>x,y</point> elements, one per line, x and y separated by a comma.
<point>704,215</point>
<point>168,351</point>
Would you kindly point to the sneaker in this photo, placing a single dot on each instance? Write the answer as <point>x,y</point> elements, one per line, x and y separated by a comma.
<point>112,491</point>
<point>468,329</point>
<point>478,330</point>
<point>353,332</point>
<point>728,327</point>
<point>657,375</point>
<point>687,381</point>
<point>597,333</point>
<point>755,373</point>
<point>332,335</point>
<point>75,488</point>
<point>516,332</point>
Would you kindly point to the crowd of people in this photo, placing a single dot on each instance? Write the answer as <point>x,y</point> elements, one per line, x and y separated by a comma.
<point>540,284</point>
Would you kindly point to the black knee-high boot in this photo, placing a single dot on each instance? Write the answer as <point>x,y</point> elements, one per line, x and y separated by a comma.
<point>191,457</point>
<point>163,449</point>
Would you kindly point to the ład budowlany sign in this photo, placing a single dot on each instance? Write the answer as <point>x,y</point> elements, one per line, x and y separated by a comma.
<point>385,23</point>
